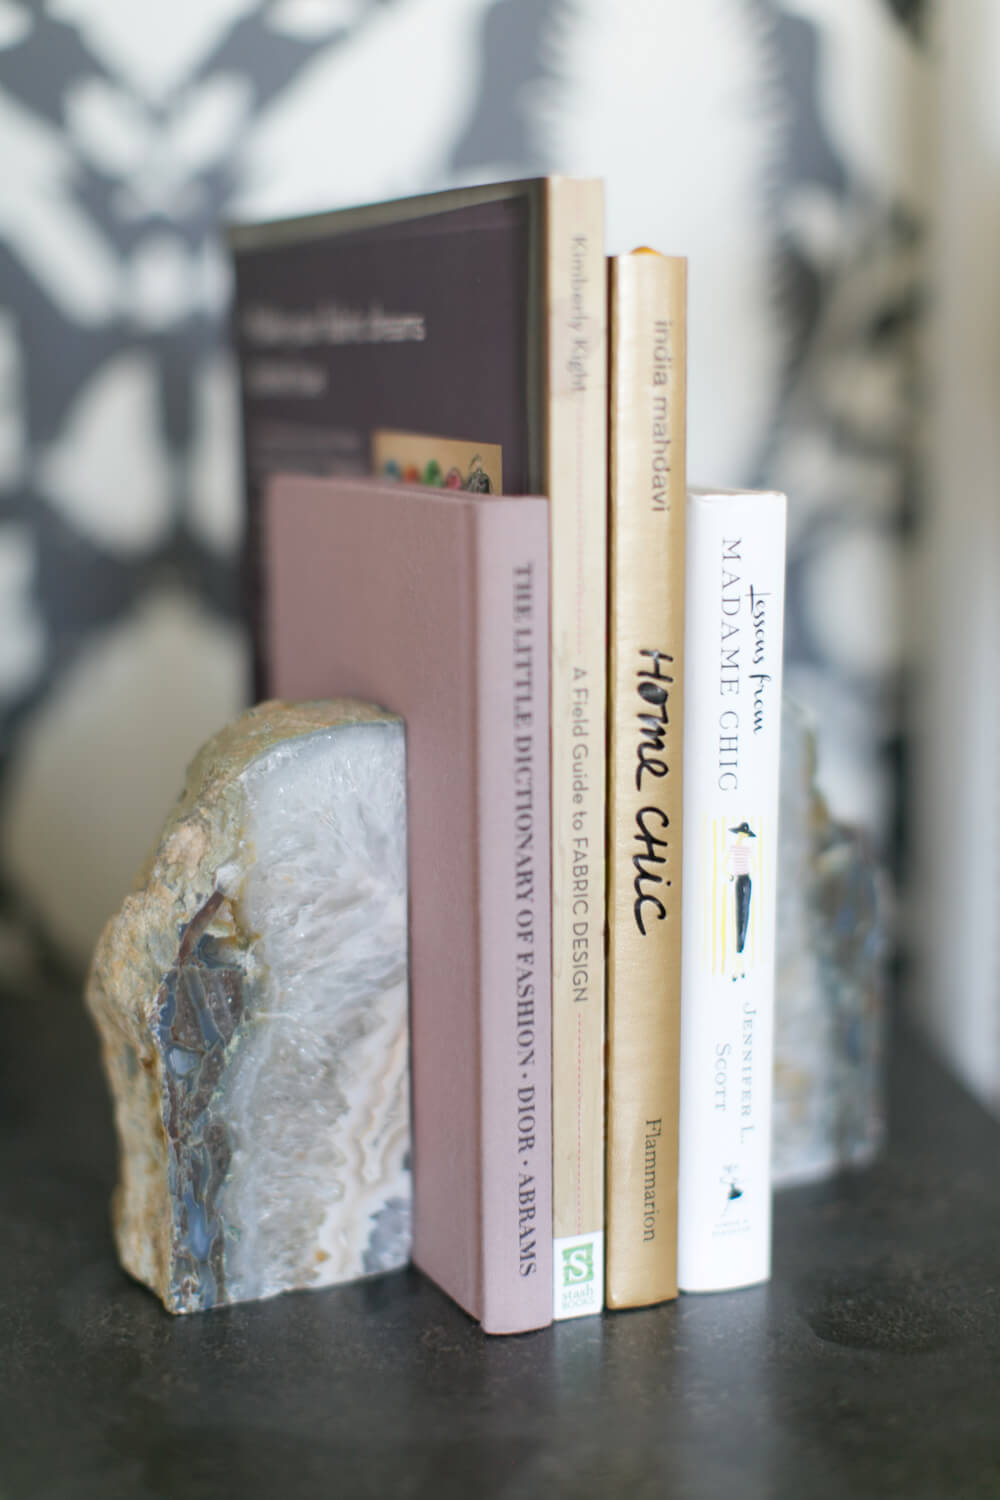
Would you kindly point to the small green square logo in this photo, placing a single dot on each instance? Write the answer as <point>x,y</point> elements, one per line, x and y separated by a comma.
<point>578,1265</point>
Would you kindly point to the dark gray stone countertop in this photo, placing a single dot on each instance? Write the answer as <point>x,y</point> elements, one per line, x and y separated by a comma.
<point>869,1367</point>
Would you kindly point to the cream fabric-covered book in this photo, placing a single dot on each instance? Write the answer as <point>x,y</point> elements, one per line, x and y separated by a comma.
<point>646,517</point>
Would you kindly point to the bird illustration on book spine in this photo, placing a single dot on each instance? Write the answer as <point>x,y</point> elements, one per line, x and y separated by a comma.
<point>731,1179</point>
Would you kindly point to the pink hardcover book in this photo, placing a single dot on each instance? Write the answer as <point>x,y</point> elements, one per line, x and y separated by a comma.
<point>434,603</point>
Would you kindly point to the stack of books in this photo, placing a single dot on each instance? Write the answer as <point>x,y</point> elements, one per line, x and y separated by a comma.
<point>465,459</point>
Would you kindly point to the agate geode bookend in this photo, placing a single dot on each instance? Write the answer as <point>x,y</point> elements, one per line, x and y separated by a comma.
<point>251,998</point>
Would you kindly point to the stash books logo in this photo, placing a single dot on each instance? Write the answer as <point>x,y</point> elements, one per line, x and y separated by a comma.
<point>578,1265</point>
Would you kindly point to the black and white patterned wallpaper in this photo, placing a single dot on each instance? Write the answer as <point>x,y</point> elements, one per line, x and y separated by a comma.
<point>776,142</point>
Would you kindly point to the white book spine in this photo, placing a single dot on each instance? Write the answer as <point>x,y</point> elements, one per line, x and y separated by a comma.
<point>732,724</point>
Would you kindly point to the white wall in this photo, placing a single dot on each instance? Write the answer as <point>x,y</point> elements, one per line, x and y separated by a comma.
<point>954,918</point>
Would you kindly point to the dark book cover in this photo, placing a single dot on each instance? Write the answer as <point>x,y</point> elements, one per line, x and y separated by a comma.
<point>418,316</point>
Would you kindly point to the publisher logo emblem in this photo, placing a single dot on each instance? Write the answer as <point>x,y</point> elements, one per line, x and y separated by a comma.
<point>577,1275</point>
<point>578,1265</point>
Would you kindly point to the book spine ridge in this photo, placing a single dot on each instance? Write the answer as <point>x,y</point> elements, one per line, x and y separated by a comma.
<point>515,958</point>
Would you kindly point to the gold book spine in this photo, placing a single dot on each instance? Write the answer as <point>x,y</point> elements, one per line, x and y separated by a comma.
<point>645,677</point>
<point>576,484</point>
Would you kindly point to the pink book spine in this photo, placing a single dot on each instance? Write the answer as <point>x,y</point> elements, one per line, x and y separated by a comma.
<point>516,1012</point>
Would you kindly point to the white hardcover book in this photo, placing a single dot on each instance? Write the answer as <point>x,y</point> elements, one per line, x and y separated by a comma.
<point>732,735</point>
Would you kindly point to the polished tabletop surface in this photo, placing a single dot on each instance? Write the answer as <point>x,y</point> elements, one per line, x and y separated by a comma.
<point>869,1367</point>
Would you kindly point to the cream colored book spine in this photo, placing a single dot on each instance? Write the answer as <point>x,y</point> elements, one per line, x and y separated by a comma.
<point>648,310</point>
<point>576,484</point>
